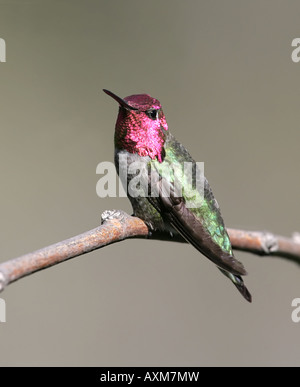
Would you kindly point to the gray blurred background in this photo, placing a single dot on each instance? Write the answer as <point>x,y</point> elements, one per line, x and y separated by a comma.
<point>230,91</point>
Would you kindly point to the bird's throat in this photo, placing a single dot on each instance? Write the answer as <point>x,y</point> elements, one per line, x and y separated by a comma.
<point>137,138</point>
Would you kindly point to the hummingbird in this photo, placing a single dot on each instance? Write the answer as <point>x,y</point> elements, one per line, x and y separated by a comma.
<point>143,140</point>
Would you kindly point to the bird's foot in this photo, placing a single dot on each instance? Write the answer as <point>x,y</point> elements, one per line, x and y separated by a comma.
<point>113,214</point>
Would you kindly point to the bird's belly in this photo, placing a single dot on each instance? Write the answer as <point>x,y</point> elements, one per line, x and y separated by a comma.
<point>144,210</point>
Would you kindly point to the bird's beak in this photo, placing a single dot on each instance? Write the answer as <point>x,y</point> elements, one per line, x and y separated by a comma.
<point>119,100</point>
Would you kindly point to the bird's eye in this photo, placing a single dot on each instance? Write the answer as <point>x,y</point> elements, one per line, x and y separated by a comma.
<point>152,113</point>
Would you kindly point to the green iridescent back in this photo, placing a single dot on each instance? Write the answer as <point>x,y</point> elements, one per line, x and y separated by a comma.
<point>205,207</point>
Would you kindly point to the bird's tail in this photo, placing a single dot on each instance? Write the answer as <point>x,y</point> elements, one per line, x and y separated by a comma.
<point>239,283</point>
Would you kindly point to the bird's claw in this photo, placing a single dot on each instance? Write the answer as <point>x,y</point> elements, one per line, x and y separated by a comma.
<point>113,214</point>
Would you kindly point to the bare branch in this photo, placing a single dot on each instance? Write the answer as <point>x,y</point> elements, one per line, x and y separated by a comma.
<point>117,226</point>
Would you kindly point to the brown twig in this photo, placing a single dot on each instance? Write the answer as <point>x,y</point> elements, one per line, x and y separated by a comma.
<point>117,226</point>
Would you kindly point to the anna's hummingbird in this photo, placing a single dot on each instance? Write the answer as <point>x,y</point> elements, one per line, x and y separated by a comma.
<point>142,139</point>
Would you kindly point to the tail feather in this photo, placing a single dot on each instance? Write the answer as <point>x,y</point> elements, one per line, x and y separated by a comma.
<point>239,283</point>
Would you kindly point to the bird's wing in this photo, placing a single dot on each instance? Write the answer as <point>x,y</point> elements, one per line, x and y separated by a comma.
<point>188,223</point>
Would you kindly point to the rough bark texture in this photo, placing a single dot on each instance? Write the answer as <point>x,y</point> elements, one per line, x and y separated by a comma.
<point>117,226</point>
